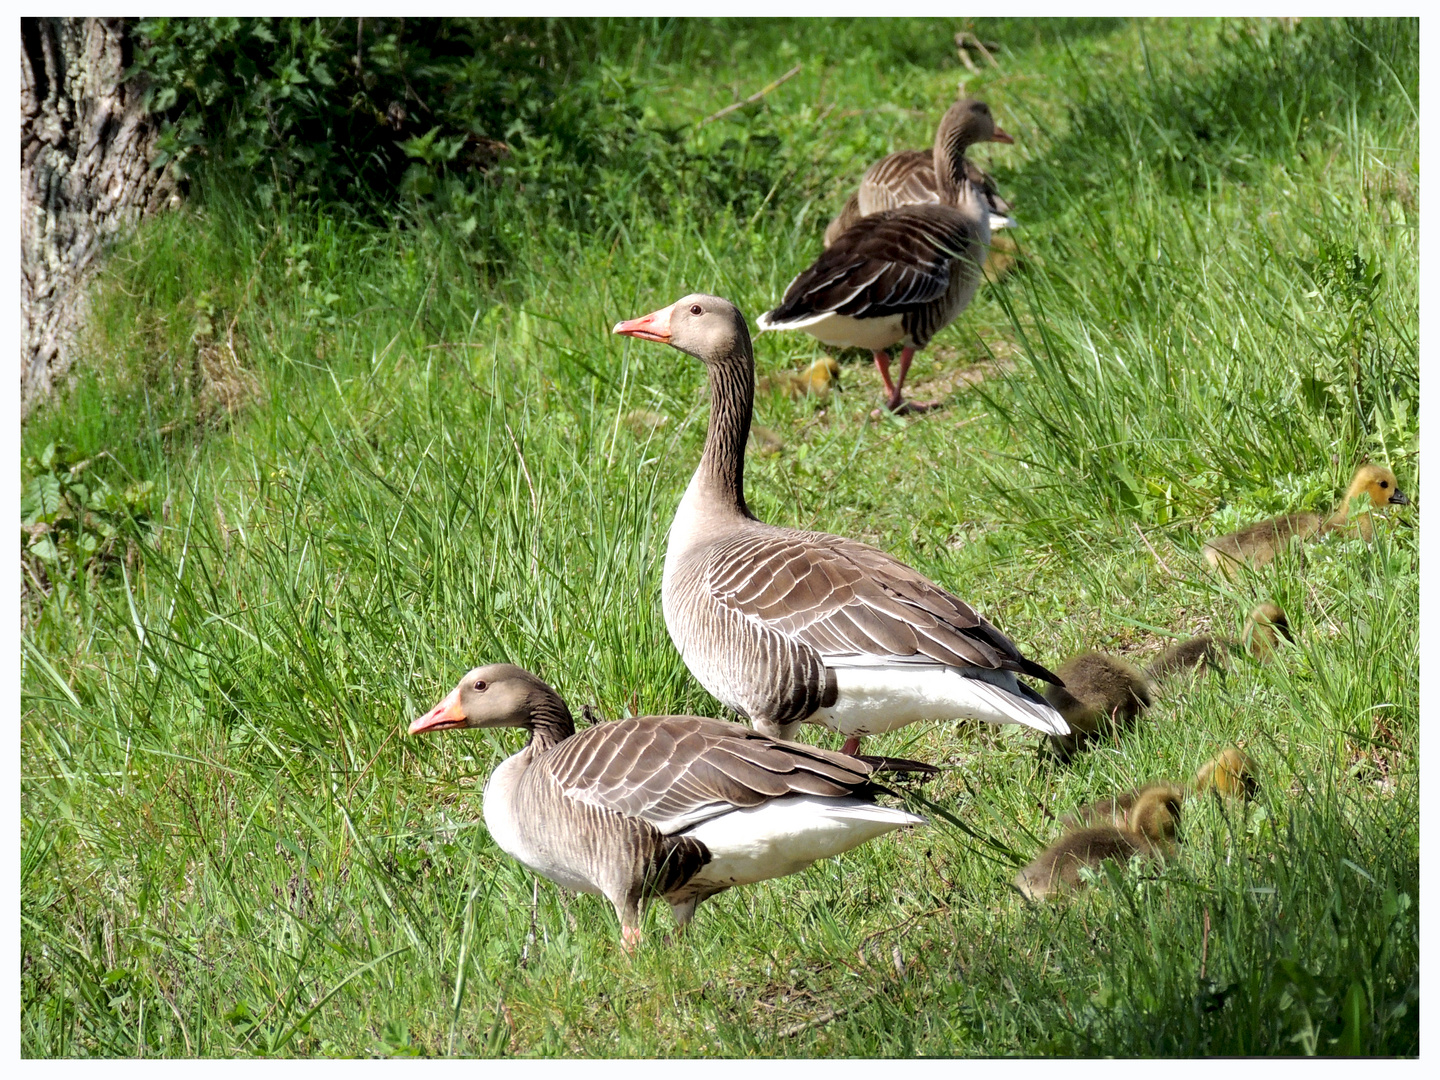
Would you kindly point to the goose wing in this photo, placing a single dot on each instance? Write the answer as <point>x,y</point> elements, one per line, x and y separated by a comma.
<point>885,264</point>
<point>676,771</point>
<point>904,178</point>
<point>854,604</point>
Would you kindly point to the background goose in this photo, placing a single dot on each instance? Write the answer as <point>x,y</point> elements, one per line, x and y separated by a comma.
<point>786,626</point>
<point>900,276</point>
<point>680,807</point>
<point>1255,545</point>
<point>908,177</point>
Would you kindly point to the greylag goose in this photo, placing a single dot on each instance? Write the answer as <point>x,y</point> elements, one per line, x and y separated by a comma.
<point>786,626</point>
<point>908,177</point>
<point>1264,626</point>
<point>900,276</point>
<point>1255,545</point>
<point>680,807</point>
<point>1149,831</point>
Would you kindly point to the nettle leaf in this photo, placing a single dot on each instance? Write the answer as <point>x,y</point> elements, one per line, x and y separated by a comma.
<point>42,499</point>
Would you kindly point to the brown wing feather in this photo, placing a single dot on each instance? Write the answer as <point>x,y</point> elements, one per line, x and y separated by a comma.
<point>840,597</point>
<point>674,771</point>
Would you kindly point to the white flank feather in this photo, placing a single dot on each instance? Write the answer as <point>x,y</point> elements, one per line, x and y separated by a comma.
<point>786,835</point>
<point>873,699</point>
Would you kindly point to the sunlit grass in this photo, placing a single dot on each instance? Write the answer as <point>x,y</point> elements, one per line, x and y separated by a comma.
<point>229,847</point>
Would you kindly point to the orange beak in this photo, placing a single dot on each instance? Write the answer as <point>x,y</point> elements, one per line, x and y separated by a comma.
<point>1001,135</point>
<point>447,714</point>
<point>652,327</point>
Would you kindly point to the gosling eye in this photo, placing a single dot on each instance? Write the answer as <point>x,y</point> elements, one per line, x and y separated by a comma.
<point>1384,484</point>
<point>481,685</point>
<point>696,309</point>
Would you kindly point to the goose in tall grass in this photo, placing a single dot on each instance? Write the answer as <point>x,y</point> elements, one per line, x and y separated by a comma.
<point>788,627</point>
<point>679,807</point>
<point>1127,810</point>
<point>1149,831</point>
<point>900,276</point>
<point>1264,626</point>
<point>907,178</point>
<point>1255,545</point>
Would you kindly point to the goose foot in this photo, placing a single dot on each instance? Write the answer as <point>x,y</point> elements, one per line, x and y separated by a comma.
<point>906,408</point>
<point>630,939</point>
<point>851,745</point>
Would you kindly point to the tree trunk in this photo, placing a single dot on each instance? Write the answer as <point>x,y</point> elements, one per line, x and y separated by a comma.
<point>86,143</point>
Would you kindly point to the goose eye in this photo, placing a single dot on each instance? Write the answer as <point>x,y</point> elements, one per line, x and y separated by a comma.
<point>481,685</point>
<point>1384,484</point>
<point>696,309</point>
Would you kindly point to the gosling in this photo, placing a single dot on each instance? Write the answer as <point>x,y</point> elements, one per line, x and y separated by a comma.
<point>1126,810</point>
<point>1255,545</point>
<point>816,381</point>
<point>1260,638</point>
<point>1152,823</point>
<point>1102,693</point>
<point>1229,773</point>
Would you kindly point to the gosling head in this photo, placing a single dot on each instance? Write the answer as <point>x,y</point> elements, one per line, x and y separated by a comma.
<point>496,695</point>
<point>709,328</point>
<point>1379,483</point>
<point>1264,626</point>
<point>1156,813</point>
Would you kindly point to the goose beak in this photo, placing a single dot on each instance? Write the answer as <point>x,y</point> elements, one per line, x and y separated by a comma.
<point>1399,498</point>
<point>1001,135</point>
<point>652,327</point>
<point>447,714</point>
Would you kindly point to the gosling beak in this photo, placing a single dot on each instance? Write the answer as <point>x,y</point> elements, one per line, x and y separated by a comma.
<point>447,714</point>
<point>652,327</point>
<point>1399,498</point>
<point>1001,135</point>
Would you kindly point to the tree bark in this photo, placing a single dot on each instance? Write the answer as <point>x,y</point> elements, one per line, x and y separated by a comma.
<point>86,142</point>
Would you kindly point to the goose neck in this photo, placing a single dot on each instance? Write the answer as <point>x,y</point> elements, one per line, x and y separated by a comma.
<point>719,481</point>
<point>550,723</point>
<point>950,168</point>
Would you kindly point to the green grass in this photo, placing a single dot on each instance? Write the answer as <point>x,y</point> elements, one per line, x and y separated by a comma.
<point>228,845</point>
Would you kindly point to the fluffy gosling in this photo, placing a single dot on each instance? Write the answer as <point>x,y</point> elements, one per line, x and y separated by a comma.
<point>1155,815</point>
<point>1255,545</point>
<point>1260,638</point>
<point>1102,693</point>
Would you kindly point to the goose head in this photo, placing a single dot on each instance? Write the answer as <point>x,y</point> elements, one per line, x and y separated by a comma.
<point>1156,813</point>
<point>496,695</point>
<point>1379,483</point>
<point>966,123</point>
<point>709,328</point>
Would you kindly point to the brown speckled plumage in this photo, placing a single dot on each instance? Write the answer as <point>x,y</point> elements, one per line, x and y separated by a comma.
<point>1102,694</point>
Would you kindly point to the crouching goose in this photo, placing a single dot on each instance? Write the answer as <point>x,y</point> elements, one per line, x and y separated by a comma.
<point>1099,694</point>
<point>788,627</point>
<point>1257,544</point>
<point>909,177</point>
<point>680,807</point>
<point>1266,624</point>
<point>900,275</point>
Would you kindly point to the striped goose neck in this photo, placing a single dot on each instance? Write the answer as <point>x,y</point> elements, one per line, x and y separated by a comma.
<point>720,478</point>
<point>550,722</point>
<point>950,147</point>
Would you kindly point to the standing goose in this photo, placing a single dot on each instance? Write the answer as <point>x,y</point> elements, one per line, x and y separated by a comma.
<point>679,807</point>
<point>901,275</point>
<point>908,177</point>
<point>786,626</point>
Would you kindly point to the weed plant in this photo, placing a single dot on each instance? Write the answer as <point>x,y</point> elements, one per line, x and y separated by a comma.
<point>348,460</point>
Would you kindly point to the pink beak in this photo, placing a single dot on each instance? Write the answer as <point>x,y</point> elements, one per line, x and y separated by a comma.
<point>447,714</point>
<point>1001,135</point>
<point>652,327</point>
